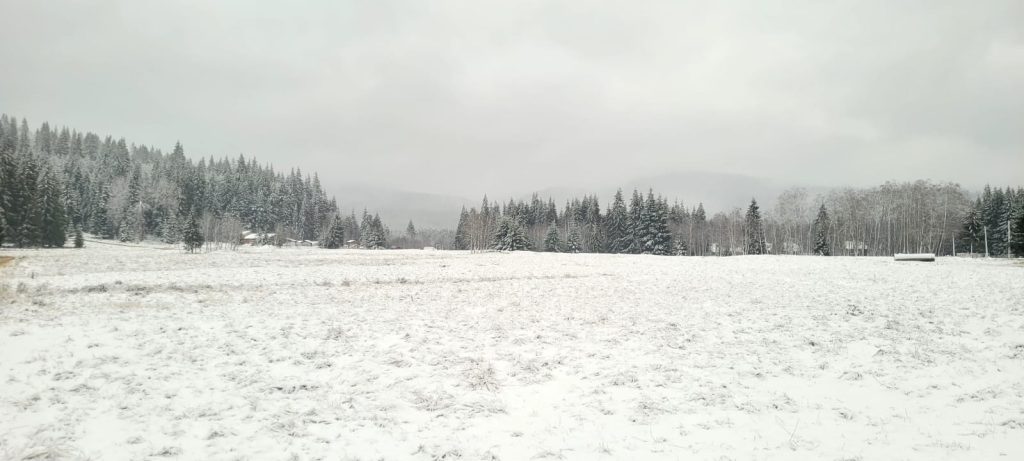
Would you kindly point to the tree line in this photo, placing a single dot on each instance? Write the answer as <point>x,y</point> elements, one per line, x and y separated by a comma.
<point>919,216</point>
<point>56,181</point>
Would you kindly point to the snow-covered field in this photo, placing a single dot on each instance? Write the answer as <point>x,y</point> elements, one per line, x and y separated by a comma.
<point>129,353</point>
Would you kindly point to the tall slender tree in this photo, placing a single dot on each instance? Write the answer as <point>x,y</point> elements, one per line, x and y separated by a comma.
<point>1017,236</point>
<point>822,242</point>
<point>636,223</point>
<point>618,235</point>
<point>54,222</point>
<point>754,228</point>
<point>462,237</point>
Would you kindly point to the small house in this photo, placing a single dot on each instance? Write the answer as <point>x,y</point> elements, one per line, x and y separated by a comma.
<point>256,238</point>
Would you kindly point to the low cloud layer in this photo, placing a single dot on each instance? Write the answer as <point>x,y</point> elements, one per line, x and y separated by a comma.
<point>472,97</point>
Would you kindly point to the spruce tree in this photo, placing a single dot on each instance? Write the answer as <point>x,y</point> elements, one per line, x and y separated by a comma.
<point>822,243</point>
<point>7,173</point>
<point>510,236</point>
<point>462,237</point>
<point>680,246</point>
<point>101,224</point>
<point>1017,235</point>
<point>79,238</point>
<point>410,231</point>
<point>657,236</point>
<point>30,219</point>
<point>124,230</point>
<point>54,222</point>
<point>335,235</point>
<point>169,231</point>
<point>192,237</point>
<point>995,214</point>
<point>636,224</point>
<point>380,232</point>
<point>700,223</point>
<point>8,205</point>
<point>374,235</point>
<point>552,241</point>
<point>617,235</point>
<point>972,235</point>
<point>573,242</point>
<point>366,229</point>
<point>756,244</point>
<point>351,227</point>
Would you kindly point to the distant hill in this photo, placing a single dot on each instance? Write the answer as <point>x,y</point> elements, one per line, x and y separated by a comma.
<point>718,192</point>
<point>397,207</point>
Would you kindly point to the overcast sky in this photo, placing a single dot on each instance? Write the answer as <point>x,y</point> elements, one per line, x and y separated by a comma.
<point>472,97</point>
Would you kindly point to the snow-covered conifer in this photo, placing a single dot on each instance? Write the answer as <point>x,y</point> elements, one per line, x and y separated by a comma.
<point>822,243</point>
<point>79,238</point>
<point>510,236</point>
<point>552,241</point>
<point>756,244</point>
<point>335,237</point>
<point>573,242</point>
<point>192,237</point>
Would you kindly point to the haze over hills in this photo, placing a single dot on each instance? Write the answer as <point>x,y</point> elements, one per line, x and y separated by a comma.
<point>397,207</point>
<point>717,191</point>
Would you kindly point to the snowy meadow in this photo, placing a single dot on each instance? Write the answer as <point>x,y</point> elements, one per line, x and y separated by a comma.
<point>115,352</point>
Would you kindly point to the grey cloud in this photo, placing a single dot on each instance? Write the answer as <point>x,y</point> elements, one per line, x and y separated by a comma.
<point>506,97</point>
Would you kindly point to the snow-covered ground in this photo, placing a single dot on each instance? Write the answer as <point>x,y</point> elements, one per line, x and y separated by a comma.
<point>128,353</point>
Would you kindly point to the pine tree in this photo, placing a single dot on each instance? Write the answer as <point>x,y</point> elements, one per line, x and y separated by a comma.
<point>510,236</point>
<point>335,235</point>
<point>822,243</point>
<point>756,244</point>
<point>192,237</point>
<point>552,241</point>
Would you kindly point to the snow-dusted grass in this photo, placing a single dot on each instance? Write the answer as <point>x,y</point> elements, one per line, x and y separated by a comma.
<point>128,353</point>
